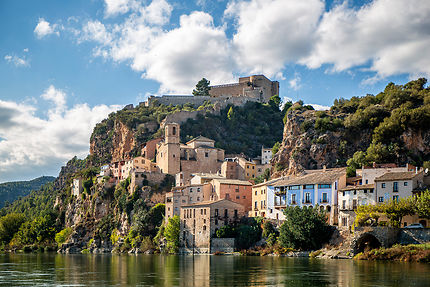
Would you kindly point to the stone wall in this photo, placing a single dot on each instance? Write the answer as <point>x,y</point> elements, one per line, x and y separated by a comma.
<point>414,236</point>
<point>225,245</point>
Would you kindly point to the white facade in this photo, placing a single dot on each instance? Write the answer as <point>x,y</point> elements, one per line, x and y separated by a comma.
<point>266,155</point>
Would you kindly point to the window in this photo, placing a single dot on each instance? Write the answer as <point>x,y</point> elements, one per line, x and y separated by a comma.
<point>395,198</point>
<point>367,181</point>
<point>365,191</point>
<point>344,221</point>
<point>198,189</point>
<point>194,213</point>
<point>237,196</point>
<point>216,221</point>
<point>383,185</point>
<point>174,131</point>
<point>206,154</point>
<point>204,211</point>
<point>253,167</point>
<point>354,204</point>
<point>225,213</point>
<point>293,199</point>
<point>324,185</point>
<point>235,213</point>
<point>244,197</point>
<point>381,199</point>
<point>307,197</point>
<point>370,190</point>
<point>343,204</point>
<point>405,183</point>
<point>216,212</point>
<point>191,189</point>
<point>324,197</point>
<point>198,198</point>
<point>308,186</point>
<point>255,204</point>
<point>294,187</point>
<point>204,227</point>
<point>255,192</point>
<point>237,189</point>
<point>395,186</point>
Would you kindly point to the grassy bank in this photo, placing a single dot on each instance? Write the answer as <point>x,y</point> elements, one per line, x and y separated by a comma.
<point>412,252</point>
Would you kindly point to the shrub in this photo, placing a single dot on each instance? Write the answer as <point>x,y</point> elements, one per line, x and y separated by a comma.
<point>63,235</point>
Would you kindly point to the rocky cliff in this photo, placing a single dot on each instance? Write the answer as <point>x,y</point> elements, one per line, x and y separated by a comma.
<point>393,126</point>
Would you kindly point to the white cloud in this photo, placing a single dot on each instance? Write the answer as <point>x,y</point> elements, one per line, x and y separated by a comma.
<point>320,107</point>
<point>176,58</point>
<point>392,36</point>
<point>44,28</point>
<point>32,145</point>
<point>294,83</point>
<point>115,7</point>
<point>272,33</point>
<point>17,61</point>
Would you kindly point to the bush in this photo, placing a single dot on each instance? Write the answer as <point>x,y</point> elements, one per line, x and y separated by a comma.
<point>63,235</point>
<point>304,228</point>
<point>9,225</point>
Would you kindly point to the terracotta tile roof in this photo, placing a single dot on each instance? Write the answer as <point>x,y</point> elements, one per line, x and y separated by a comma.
<point>270,182</point>
<point>389,176</point>
<point>314,177</point>
<point>208,202</point>
<point>357,187</point>
<point>232,181</point>
<point>200,138</point>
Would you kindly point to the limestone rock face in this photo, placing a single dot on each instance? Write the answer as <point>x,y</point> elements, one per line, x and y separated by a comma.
<point>304,147</point>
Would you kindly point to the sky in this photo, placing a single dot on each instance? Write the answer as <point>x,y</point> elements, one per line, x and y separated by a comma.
<point>65,65</point>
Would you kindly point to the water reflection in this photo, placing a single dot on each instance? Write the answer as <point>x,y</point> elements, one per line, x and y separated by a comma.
<point>203,270</point>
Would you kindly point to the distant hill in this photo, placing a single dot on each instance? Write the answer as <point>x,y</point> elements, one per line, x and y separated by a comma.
<point>11,191</point>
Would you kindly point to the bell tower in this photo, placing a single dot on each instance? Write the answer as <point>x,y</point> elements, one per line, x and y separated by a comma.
<point>171,133</point>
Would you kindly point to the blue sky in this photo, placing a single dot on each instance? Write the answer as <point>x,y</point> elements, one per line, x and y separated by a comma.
<point>64,65</point>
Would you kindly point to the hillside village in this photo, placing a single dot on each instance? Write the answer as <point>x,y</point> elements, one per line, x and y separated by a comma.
<point>214,189</point>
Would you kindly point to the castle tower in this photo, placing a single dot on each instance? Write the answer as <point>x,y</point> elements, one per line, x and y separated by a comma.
<point>171,133</point>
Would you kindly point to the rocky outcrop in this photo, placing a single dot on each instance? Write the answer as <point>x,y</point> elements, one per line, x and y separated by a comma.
<point>305,147</point>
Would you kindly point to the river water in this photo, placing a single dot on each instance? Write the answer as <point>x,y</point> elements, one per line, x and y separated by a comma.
<point>203,270</point>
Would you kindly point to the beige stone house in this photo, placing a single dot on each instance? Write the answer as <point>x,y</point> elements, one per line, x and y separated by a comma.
<point>196,156</point>
<point>350,197</point>
<point>200,221</point>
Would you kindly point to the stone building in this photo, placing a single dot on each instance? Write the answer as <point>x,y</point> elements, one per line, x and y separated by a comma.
<point>197,155</point>
<point>352,196</point>
<point>200,221</point>
<point>242,168</point>
<point>235,190</point>
<point>185,195</point>
<point>256,88</point>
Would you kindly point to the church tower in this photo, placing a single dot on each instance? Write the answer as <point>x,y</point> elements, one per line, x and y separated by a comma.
<point>171,133</point>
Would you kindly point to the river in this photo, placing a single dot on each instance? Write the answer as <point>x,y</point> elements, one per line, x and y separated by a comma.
<point>203,270</point>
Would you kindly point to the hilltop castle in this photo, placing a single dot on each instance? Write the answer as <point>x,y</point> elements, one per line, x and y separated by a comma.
<point>256,88</point>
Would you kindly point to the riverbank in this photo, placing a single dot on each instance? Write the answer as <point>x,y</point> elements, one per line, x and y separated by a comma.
<point>408,253</point>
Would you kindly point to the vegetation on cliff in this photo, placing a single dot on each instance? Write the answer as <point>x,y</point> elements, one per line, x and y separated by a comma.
<point>391,126</point>
<point>10,191</point>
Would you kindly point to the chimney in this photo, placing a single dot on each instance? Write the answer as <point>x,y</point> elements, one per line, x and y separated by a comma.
<point>374,164</point>
<point>416,170</point>
<point>324,168</point>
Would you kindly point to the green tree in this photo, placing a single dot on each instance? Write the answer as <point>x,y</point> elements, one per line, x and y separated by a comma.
<point>395,210</point>
<point>202,88</point>
<point>422,204</point>
<point>304,228</point>
<point>367,215</point>
<point>226,231</point>
<point>9,225</point>
<point>171,233</point>
<point>63,235</point>
<point>268,229</point>
<point>275,102</point>
<point>276,147</point>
